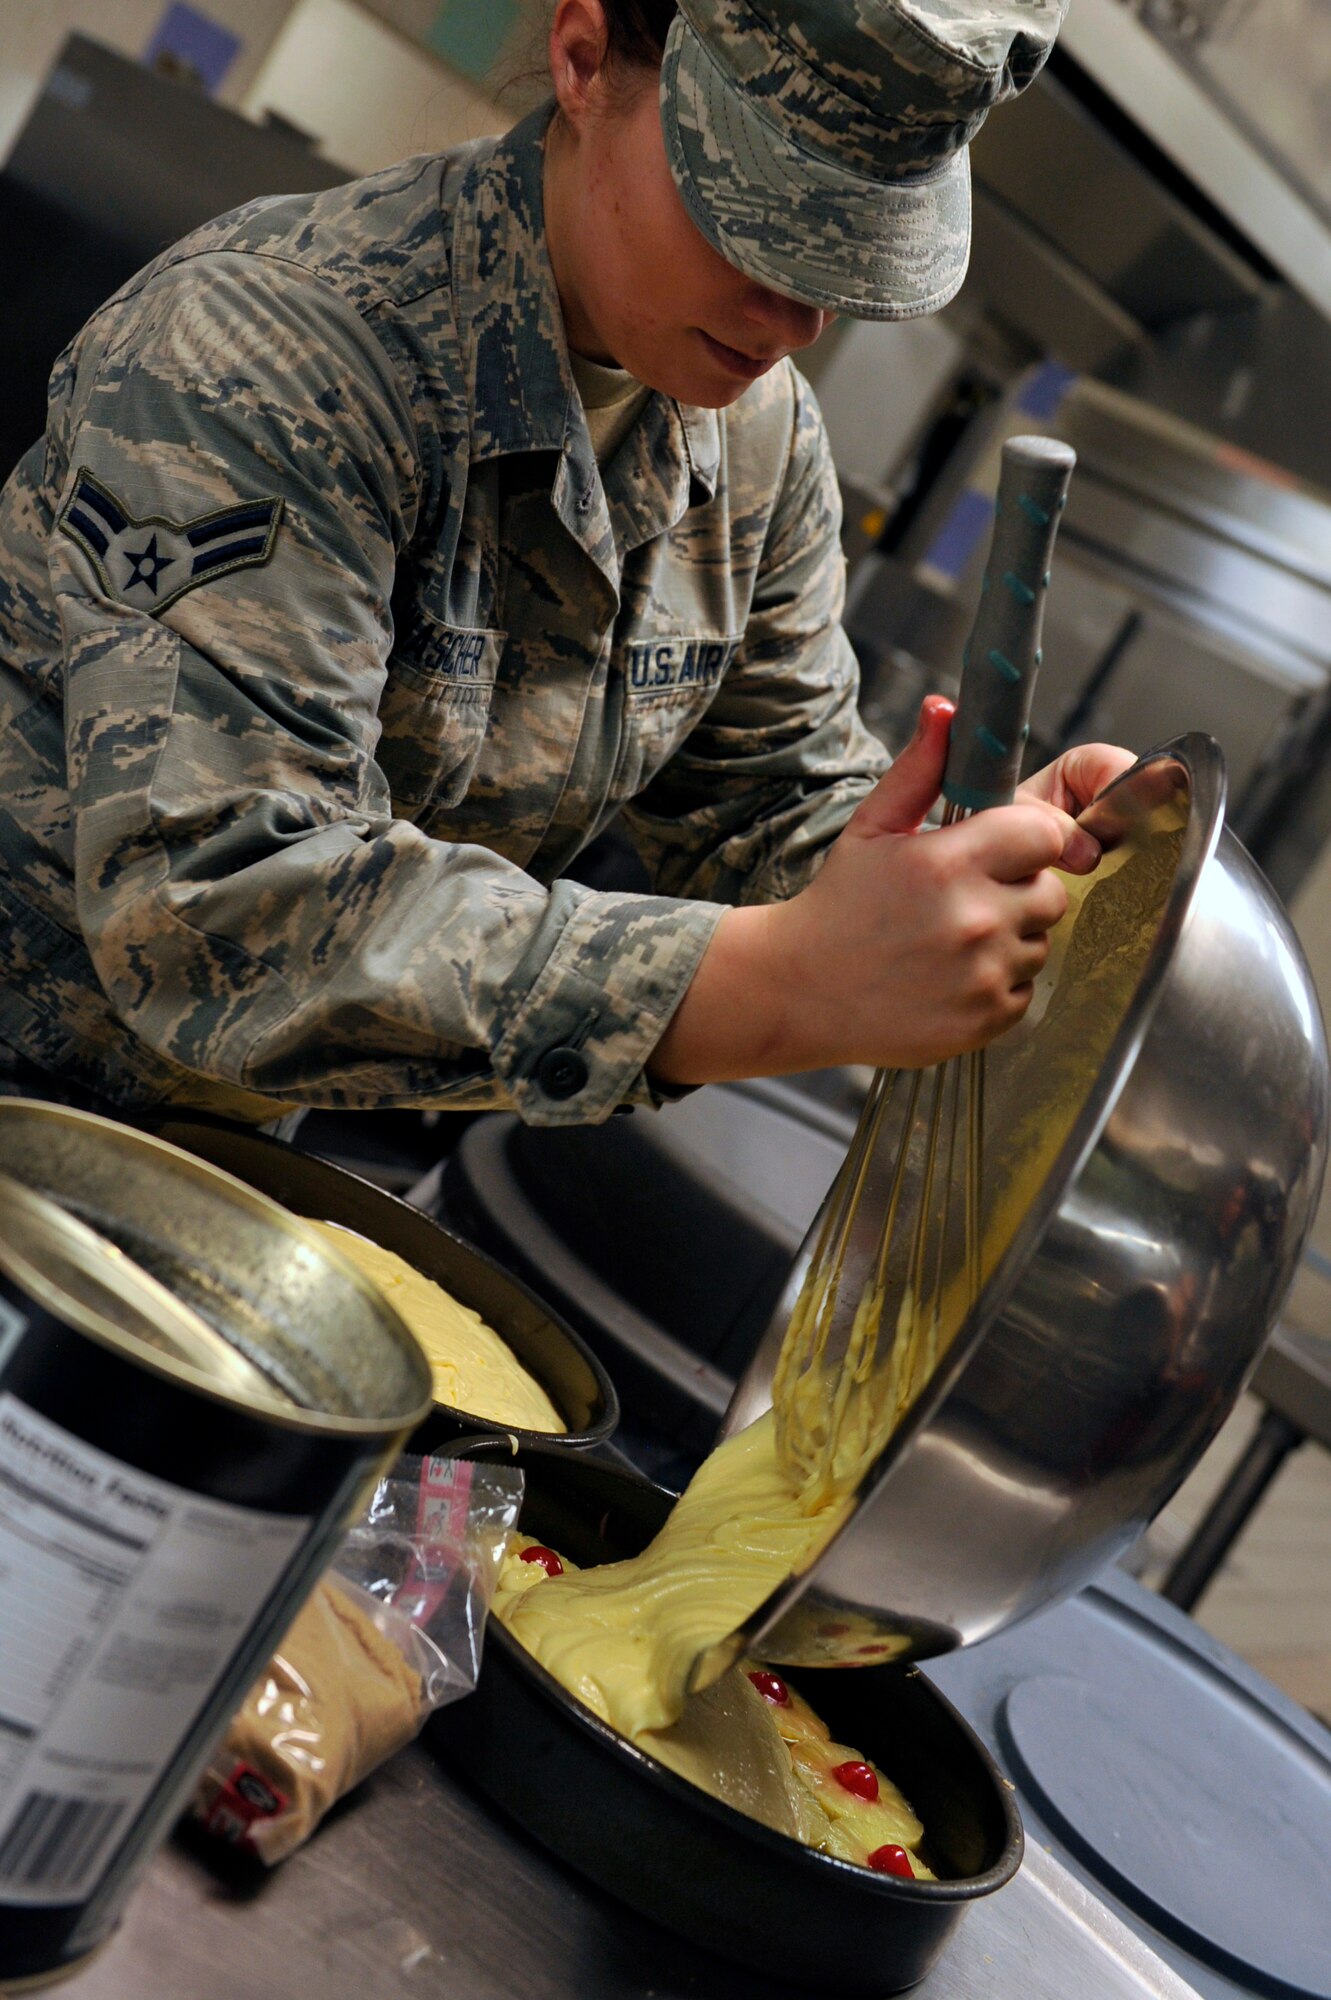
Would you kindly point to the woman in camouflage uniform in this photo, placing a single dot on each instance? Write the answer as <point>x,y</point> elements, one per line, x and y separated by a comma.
<point>384,544</point>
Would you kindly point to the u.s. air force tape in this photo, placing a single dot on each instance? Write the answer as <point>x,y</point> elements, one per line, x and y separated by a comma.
<point>664,666</point>
<point>150,562</point>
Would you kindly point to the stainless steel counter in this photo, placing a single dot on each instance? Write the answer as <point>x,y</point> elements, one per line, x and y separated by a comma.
<point>416,1888</point>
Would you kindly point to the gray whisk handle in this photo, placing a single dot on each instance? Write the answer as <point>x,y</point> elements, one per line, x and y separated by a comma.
<point>1002,655</point>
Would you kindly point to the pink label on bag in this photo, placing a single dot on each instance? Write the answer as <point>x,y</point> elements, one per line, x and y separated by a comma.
<point>442,1497</point>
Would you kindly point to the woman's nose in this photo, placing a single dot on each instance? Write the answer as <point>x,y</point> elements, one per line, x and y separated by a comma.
<point>795,325</point>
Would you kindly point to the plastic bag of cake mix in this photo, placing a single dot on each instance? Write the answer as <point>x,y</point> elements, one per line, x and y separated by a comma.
<point>393,1630</point>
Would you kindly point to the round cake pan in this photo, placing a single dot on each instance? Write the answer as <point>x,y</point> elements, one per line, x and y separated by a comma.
<point>565,1367</point>
<point>692,1863</point>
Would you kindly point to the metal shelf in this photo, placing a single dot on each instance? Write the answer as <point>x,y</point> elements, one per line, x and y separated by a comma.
<point>1190,125</point>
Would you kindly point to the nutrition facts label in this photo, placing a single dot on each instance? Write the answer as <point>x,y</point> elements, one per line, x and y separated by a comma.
<point>123,1599</point>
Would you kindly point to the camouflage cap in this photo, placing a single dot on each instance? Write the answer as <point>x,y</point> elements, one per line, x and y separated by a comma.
<point>820,145</point>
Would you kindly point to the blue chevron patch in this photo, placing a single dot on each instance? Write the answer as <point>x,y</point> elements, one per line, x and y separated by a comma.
<point>149,561</point>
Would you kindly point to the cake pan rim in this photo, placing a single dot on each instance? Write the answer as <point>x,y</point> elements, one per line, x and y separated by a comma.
<point>610,1743</point>
<point>468,1420</point>
<point>965,1889</point>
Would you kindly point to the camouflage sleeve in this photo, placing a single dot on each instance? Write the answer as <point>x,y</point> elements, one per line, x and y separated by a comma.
<point>748,805</point>
<point>252,908</point>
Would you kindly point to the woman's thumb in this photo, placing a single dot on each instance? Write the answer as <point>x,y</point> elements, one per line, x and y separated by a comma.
<point>902,797</point>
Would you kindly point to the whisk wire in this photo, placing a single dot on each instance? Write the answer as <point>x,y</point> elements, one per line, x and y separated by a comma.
<point>974,1171</point>
<point>839,1407</point>
<point>808,1423</point>
<point>837,1404</point>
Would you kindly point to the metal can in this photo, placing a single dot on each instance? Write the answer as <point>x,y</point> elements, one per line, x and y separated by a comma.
<point>195,1392</point>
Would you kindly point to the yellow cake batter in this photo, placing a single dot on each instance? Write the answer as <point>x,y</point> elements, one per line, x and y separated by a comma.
<point>627,1638</point>
<point>624,1637</point>
<point>836,1410</point>
<point>753,1742</point>
<point>471,1367</point>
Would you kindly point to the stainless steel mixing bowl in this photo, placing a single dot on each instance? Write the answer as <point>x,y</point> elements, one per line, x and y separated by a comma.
<point>1142,1265</point>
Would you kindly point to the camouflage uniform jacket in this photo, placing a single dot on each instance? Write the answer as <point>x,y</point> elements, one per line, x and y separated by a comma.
<point>325,645</point>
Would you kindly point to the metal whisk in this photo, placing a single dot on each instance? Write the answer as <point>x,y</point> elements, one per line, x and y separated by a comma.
<point>895,1260</point>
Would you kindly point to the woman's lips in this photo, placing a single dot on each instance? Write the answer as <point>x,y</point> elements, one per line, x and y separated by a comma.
<point>736,363</point>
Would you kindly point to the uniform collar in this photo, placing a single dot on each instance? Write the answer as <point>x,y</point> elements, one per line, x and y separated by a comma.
<point>521,394</point>
<point>702,442</point>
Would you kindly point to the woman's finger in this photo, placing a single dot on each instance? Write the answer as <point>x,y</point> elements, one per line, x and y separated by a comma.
<point>1078,776</point>
<point>903,795</point>
<point>1031,959</point>
<point>1080,851</point>
<point>1011,843</point>
<point>1042,903</point>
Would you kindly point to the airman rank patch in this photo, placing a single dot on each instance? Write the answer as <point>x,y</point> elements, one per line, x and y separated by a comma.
<point>149,563</point>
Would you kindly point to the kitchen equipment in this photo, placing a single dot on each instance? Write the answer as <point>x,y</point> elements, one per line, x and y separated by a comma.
<point>897,1243</point>
<point>1193,587</point>
<point>1152,1165</point>
<point>1293,1383</point>
<point>682,1857</point>
<point>745,1166</point>
<point>561,1362</point>
<point>174,1473</point>
<point>483,1911</point>
<point>1188,1794</point>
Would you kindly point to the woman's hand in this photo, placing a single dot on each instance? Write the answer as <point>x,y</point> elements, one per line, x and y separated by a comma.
<point>1075,778</point>
<point>910,945</point>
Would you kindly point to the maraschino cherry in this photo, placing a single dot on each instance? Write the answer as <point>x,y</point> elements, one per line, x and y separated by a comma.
<point>547,1559</point>
<point>771,1687</point>
<point>861,1780</point>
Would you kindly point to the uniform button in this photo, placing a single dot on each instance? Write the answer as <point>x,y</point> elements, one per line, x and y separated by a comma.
<point>561,1073</point>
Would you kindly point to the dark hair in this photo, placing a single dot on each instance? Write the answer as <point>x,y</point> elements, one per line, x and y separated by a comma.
<point>637,31</point>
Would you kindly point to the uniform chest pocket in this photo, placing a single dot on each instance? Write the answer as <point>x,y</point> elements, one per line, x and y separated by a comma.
<point>434,711</point>
<point>667,685</point>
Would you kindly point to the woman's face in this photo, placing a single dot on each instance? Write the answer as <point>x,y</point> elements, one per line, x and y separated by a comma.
<point>640,286</point>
